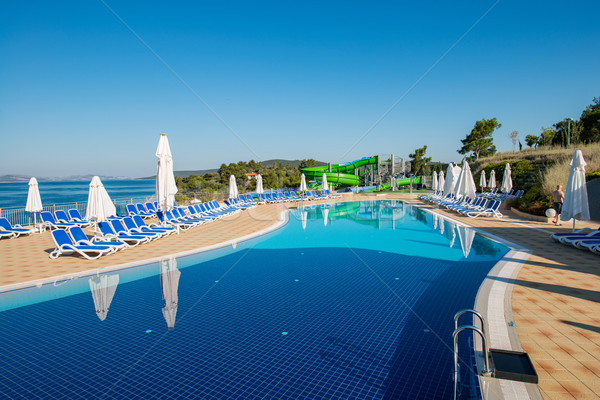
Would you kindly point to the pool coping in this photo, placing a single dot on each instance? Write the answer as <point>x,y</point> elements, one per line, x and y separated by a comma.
<point>282,220</point>
<point>493,302</point>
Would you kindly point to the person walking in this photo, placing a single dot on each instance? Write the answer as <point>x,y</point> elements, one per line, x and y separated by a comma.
<point>558,197</point>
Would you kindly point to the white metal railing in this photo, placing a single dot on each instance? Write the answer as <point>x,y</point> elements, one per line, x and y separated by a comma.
<point>18,215</point>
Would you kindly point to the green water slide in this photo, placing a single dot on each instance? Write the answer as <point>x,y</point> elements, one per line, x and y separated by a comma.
<point>403,182</point>
<point>341,174</point>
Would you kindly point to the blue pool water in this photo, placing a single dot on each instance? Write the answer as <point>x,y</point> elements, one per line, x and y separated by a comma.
<point>353,301</point>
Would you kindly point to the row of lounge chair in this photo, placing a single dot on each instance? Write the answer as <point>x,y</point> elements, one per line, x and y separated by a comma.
<point>115,235</point>
<point>471,207</point>
<point>119,233</point>
<point>279,197</point>
<point>122,232</point>
<point>586,239</point>
<point>493,194</point>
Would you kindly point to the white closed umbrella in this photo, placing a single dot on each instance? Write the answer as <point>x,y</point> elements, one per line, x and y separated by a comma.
<point>576,203</point>
<point>434,181</point>
<point>103,288</point>
<point>506,180</point>
<point>465,185</point>
<point>233,190</point>
<point>169,283</point>
<point>325,216</point>
<point>165,180</point>
<point>482,182</point>
<point>393,183</point>
<point>324,183</point>
<point>99,205</point>
<point>34,201</point>
<point>303,187</point>
<point>466,236</point>
<point>451,178</point>
<point>441,181</point>
<point>492,181</point>
<point>259,185</point>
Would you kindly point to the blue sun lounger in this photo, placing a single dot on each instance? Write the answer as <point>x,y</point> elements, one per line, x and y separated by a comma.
<point>180,214</point>
<point>167,223</point>
<point>132,210</point>
<point>76,217</point>
<point>7,234</point>
<point>63,218</point>
<point>133,229</point>
<point>142,210</point>
<point>170,219</point>
<point>581,233</point>
<point>332,195</point>
<point>64,245</point>
<point>152,226</point>
<point>16,229</point>
<point>80,238</point>
<point>491,210</point>
<point>119,228</point>
<point>109,233</point>
<point>250,199</point>
<point>49,221</point>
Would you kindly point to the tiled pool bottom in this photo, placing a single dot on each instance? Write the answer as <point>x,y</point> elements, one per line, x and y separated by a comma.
<point>302,323</point>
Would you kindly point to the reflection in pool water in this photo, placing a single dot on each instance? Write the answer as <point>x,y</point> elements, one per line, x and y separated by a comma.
<point>347,301</point>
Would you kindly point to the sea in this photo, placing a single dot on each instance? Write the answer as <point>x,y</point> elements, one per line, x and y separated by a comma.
<point>14,194</point>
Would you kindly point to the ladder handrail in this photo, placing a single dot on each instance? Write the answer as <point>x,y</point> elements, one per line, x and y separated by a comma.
<point>474,312</point>
<point>487,371</point>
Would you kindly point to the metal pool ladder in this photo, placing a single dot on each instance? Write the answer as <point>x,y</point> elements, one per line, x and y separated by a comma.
<point>487,371</point>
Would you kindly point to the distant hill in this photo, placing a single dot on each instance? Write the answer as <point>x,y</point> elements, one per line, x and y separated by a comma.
<point>184,173</point>
<point>291,163</point>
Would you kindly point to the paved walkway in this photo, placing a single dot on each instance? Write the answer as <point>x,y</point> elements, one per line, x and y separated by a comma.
<point>556,296</point>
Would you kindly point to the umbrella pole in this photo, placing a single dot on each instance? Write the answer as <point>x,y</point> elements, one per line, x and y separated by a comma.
<point>573,224</point>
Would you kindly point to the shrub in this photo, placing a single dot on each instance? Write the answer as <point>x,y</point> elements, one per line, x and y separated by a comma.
<point>533,201</point>
<point>592,175</point>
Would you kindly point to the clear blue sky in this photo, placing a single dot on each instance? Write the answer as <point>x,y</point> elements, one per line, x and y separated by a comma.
<point>81,94</point>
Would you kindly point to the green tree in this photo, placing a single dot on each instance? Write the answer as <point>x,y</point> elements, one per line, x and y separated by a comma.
<point>270,180</point>
<point>531,140</point>
<point>547,136</point>
<point>307,163</point>
<point>567,132</point>
<point>590,122</point>
<point>480,140</point>
<point>418,160</point>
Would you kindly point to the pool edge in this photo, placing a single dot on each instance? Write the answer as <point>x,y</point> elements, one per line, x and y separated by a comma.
<point>494,302</point>
<point>282,220</point>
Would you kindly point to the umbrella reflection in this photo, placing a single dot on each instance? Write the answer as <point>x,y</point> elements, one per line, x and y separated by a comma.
<point>169,282</point>
<point>103,289</point>
<point>466,236</point>
<point>303,217</point>
<point>451,232</point>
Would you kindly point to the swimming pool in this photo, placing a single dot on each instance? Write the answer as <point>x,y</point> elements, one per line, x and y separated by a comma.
<point>346,301</point>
